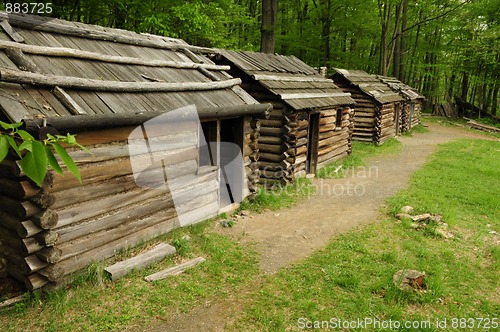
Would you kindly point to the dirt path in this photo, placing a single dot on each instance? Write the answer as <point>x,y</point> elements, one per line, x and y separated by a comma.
<point>341,205</point>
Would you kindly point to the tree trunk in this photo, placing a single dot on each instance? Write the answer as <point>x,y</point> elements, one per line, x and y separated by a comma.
<point>385,13</point>
<point>268,27</point>
<point>325,31</point>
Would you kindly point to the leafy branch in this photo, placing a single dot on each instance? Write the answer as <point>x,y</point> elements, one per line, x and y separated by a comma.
<point>36,156</point>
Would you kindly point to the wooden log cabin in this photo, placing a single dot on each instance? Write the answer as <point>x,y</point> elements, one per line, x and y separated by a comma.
<point>377,114</point>
<point>105,85</point>
<point>412,105</point>
<point>311,122</point>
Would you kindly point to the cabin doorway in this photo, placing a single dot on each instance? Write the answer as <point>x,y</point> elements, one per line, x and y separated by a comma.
<point>397,116</point>
<point>313,142</point>
<point>231,167</point>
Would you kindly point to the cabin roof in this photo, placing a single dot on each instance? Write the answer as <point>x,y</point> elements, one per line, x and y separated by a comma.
<point>370,85</point>
<point>128,73</point>
<point>405,90</point>
<point>296,83</point>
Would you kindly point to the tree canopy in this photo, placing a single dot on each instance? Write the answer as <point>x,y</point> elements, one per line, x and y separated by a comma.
<point>445,48</point>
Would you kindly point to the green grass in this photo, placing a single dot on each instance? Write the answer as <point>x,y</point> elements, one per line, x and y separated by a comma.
<point>360,151</point>
<point>462,123</point>
<point>94,303</point>
<point>352,277</point>
<point>280,197</point>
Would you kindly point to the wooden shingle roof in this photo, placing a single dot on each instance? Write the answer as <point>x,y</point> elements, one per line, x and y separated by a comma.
<point>299,85</point>
<point>370,85</point>
<point>405,90</point>
<point>55,68</point>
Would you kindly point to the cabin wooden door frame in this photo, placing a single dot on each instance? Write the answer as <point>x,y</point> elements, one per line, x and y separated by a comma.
<point>232,131</point>
<point>312,143</point>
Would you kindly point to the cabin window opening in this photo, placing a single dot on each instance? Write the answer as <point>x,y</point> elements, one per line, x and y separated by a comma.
<point>207,144</point>
<point>338,118</point>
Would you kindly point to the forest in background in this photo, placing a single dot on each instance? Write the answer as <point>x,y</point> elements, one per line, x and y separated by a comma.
<point>447,49</point>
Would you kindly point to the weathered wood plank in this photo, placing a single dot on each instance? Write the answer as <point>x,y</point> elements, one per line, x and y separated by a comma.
<point>174,270</point>
<point>154,255</point>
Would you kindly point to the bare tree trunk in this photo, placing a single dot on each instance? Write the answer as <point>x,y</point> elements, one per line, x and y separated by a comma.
<point>402,44</point>
<point>494,103</point>
<point>385,13</point>
<point>325,32</point>
<point>268,27</point>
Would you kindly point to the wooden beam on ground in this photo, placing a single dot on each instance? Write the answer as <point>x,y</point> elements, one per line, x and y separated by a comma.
<point>157,254</point>
<point>174,270</point>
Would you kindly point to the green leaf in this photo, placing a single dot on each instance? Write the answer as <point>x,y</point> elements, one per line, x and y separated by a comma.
<point>25,135</point>
<point>4,147</point>
<point>14,146</point>
<point>70,139</point>
<point>34,163</point>
<point>6,125</point>
<point>52,160</point>
<point>83,148</point>
<point>70,164</point>
<point>26,145</point>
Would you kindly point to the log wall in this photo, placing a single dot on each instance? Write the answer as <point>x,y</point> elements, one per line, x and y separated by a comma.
<point>63,227</point>
<point>335,142</point>
<point>27,222</point>
<point>283,140</point>
<point>385,126</point>
<point>372,122</point>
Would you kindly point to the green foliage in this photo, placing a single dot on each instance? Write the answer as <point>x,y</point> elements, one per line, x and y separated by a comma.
<point>37,156</point>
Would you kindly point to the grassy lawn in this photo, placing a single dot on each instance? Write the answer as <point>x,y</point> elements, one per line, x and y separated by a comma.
<point>350,279</point>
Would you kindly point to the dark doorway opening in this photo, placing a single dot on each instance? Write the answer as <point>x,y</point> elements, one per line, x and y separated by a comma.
<point>312,143</point>
<point>231,164</point>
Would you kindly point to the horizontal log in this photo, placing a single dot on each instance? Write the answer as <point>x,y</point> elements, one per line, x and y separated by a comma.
<point>16,189</point>
<point>270,166</point>
<point>21,209</point>
<point>47,238</point>
<point>265,156</point>
<point>44,24</point>
<point>43,199</point>
<point>78,83</point>
<point>325,128</point>
<point>45,219</point>
<point>23,247</point>
<point>276,149</point>
<point>11,169</point>
<point>332,140</point>
<point>328,120</point>
<point>31,282</point>
<point>86,55</point>
<point>144,259</point>
<point>78,262</point>
<point>27,229</point>
<point>270,139</point>
<point>271,131</point>
<point>53,273</point>
<point>26,264</point>
<point>333,155</point>
<point>271,123</point>
<point>49,254</point>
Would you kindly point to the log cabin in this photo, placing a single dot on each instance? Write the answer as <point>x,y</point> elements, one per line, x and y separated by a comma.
<point>147,174</point>
<point>377,114</point>
<point>311,122</point>
<point>412,105</point>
